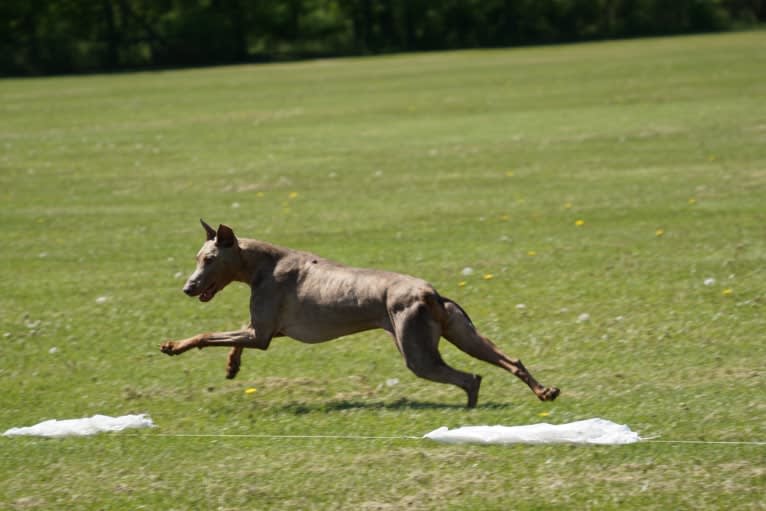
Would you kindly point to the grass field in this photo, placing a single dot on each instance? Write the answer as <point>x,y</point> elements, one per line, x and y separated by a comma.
<point>625,181</point>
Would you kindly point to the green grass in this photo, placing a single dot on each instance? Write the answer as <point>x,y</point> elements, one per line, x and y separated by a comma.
<point>424,164</point>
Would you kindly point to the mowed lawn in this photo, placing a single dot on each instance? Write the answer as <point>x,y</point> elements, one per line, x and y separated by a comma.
<point>609,198</point>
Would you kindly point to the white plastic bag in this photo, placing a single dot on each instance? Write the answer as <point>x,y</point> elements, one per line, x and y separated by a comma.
<point>82,427</point>
<point>590,431</point>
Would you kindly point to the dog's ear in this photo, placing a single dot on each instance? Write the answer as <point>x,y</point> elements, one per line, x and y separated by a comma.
<point>225,238</point>
<point>209,231</point>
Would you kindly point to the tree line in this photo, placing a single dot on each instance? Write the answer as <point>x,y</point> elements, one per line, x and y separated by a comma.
<point>66,36</point>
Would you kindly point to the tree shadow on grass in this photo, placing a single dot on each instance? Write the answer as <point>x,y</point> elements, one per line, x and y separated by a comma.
<point>341,405</point>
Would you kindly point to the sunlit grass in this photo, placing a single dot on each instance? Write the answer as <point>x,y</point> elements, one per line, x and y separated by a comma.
<point>606,198</point>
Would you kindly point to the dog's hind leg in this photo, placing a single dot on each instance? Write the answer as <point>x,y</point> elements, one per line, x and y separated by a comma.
<point>417,336</point>
<point>460,331</point>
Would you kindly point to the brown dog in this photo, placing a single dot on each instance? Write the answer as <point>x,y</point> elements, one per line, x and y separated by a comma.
<point>313,300</point>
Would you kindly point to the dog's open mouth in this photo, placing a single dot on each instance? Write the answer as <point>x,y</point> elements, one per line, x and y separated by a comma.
<point>209,293</point>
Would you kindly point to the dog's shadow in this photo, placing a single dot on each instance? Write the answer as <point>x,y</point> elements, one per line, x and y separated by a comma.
<point>403,404</point>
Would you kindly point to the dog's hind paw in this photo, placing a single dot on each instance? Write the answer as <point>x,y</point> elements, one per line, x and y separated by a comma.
<point>473,392</point>
<point>549,394</point>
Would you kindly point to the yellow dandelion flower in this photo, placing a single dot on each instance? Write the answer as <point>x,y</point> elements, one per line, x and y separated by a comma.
<point>543,414</point>
<point>292,195</point>
<point>692,201</point>
<point>659,233</point>
<point>488,276</point>
<point>505,218</point>
<point>531,253</point>
<point>727,292</point>
<point>250,390</point>
<point>259,194</point>
<point>580,223</point>
<point>567,205</point>
<point>462,283</point>
<point>509,173</point>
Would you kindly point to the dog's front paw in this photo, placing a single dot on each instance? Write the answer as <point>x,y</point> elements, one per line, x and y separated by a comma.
<point>549,394</point>
<point>169,348</point>
<point>232,369</point>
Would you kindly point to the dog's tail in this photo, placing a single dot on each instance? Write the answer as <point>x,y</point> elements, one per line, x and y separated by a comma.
<point>442,307</point>
<point>444,300</point>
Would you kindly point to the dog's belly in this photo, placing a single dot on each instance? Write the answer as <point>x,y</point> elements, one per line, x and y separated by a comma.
<point>314,334</point>
<point>314,323</point>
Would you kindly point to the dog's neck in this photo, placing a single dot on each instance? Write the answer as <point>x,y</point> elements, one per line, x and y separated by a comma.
<point>257,257</point>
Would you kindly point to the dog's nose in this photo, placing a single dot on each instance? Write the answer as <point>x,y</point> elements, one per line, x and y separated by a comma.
<point>189,289</point>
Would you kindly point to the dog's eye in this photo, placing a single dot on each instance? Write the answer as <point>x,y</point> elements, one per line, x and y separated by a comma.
<point>207,260</point>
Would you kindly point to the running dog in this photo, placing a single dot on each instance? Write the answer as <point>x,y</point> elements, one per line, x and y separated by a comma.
<point>311,299</point>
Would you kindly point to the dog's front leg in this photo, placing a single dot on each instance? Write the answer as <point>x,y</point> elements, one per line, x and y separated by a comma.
<point>178,347</point>
<point>236,339</point>
<point>246,338</point>
<point>233,362</point>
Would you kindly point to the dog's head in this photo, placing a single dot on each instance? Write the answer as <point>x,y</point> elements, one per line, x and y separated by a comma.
<point>218,262</point>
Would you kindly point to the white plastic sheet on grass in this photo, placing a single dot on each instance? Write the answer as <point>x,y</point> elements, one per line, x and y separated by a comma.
<point>82,427</point>
<point>590,431</point>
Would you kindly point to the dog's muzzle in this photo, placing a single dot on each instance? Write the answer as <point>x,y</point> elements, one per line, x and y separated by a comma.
<point>205,295</point>
<point>192,287</point>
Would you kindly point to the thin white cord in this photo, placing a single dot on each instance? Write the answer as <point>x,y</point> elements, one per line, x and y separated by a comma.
<point>714,442</point>
<point>277,437</point>
<point>365,437</point>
